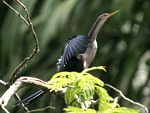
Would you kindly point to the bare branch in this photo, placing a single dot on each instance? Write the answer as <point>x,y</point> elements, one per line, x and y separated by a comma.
<point>41,109</point>
<point>20,16</point>
<point>121,94</point>
<point>25,81</point>
<point>21,82</point>
<point>30,25</point>
<point>22,107</point>
<point>3,83</point>
<point>115,100</point>
<point>50,106</point>
<point>5,109</point>
<point>22,64</point>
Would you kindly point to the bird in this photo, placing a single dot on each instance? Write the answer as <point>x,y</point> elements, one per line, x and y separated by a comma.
<point>73,58</point>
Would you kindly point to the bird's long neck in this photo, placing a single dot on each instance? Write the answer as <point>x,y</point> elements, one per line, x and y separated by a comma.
<point>95,29</point>
<point>89,55</point>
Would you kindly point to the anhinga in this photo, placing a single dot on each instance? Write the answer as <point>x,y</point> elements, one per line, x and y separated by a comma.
<point>71,60</point>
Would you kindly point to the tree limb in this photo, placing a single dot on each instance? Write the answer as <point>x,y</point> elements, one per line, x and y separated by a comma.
<point>30,25</point>
<point>3,83</point>
<point>23,63</point>
<point>22,107</point>
<point>25,81</point>
<point>20,16</point>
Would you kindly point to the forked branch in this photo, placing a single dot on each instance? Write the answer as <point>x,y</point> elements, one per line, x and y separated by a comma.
<point>28,22</point>
<point>127,99</point>
<point>25,81</point>
<point>30,25</point>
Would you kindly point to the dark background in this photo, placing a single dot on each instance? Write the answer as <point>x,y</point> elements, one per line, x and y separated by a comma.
<point>123,41</point>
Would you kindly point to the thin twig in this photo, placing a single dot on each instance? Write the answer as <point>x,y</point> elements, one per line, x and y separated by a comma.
<point>115,101</point>
<point>21,106</point>
<point>30,25</point>
<point>20,16</point>
<point>36,50</point>
<point>42,109</point>
<point>3,83</point>
<point>5,109</point>
<point>121,94</point>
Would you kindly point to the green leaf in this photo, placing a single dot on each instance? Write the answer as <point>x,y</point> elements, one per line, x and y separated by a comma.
<point>93,79</point>
<point>62,79</point>
<point>120,110</point>
<point>80,91</point>
<point>80,86</point>
<point>69,75</point>
<point>70,94</point>
<point>93,68</point>
<point>104,99</point>
<point>71,109</point>
<point>102,94</point>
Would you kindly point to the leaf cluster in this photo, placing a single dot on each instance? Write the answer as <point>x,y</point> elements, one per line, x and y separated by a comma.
<point>81,88</point>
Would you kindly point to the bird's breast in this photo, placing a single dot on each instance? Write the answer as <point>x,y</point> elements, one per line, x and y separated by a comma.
<point>89,55</point>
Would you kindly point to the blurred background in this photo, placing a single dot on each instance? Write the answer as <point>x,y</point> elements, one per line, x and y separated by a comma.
<point>123,41</point>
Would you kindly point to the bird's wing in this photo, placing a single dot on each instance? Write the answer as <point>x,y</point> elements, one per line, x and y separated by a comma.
<point>72,48</point>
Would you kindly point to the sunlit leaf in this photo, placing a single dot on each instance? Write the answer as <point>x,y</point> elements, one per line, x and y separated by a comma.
<point>71,109</point>
<point>121,110</point>
<point>80,86</point>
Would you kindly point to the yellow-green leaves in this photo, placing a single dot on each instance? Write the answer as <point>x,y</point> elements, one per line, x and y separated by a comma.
<point>62,79</point>
<point>81,88</point>
<point>120,110</point>
<point>93,68</point>
<point>104,99</point>
<point>71,109</point>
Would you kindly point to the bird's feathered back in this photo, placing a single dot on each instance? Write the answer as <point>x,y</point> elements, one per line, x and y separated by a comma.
<point>70,60</point>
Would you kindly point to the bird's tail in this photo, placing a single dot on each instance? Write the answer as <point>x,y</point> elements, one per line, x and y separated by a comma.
<point>31,98</point>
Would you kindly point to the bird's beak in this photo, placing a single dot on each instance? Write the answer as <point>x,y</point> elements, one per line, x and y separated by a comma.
<point>112,13</point>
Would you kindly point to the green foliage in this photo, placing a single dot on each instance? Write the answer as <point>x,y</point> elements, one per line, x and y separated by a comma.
<point>104,101</point>
<point>120,110</point>
<point>79,110</point>
<point>81,88</point>
<point>123,43</point>
<point>72,109</point>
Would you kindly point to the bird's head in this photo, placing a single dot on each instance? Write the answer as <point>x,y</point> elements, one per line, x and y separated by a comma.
<point>98,24</point>
<point>105,16</point>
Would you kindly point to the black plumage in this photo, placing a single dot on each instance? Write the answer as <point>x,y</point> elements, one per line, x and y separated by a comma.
<point>70,59</point>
